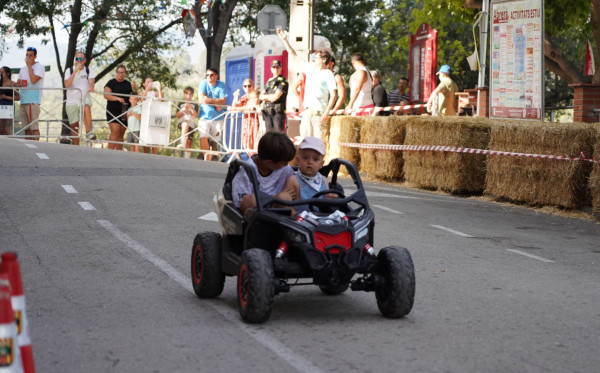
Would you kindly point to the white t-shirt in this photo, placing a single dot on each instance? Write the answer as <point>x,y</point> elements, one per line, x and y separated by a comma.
<point>319,84</point>
<point>32,96</point>
<point>80,82</point>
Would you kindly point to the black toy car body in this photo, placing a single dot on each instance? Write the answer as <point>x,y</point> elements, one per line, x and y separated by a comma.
<point>270,251</point>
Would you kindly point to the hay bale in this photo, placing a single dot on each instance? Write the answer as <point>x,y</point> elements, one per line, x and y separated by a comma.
<point>451,172</point>
<point>534,181</point>
<point>383,164</point>
<point>344,129</point>
<point>594,185</point>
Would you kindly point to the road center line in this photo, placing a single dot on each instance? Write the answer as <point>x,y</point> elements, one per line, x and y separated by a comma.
<point>42,156</point>
<point>451,231</point>
<point>86,206</point>
<point>530,255</point>
<point>69,189</point>
<point>388,209</point>
<point>32,146</point>
<point>300,363</point>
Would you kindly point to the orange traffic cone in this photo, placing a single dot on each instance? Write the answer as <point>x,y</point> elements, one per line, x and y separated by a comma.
<point>10,266</point>
<point>10,359</point>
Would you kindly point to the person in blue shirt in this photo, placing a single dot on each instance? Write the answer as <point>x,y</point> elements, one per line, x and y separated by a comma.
<point>211,95</point>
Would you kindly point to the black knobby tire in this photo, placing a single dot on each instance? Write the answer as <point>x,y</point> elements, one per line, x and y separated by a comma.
<point>256,286</point>
<point>207,278</point>
<point>333,289</point>
<point>396,296</point>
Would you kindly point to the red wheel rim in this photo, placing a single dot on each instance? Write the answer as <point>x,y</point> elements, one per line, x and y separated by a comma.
<point>243,286</point>
<point>198,264</point>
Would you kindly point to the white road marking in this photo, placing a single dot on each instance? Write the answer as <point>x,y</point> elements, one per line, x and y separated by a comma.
<point>388,209</point>
<point>531,255</point>
<point>298,362</point>
<point>32,146</point>
<point>69,189</point>
<point>211,216</point>
<point>42,155</point>
<point>379,194</point>
<point>451,231</point>
<point>86,206</point>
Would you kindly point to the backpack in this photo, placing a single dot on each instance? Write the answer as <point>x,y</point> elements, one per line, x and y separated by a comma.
<point>87,70</point>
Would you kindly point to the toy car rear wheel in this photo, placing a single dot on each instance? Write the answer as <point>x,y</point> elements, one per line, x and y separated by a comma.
<point>256,287</point>
<point>333,289</point>
<point>207,278</point>
<point>395,297</point>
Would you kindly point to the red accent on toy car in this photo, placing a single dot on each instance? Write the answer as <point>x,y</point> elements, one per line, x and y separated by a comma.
<point>198,271</point>
<point>243,286</point>
<point>322,240</point>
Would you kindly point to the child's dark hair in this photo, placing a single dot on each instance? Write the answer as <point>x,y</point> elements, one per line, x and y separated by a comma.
<point>188,89</point>
<point>276,146</point>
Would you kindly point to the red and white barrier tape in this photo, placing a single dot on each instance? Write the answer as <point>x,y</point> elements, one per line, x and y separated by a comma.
<point>371,111</point>
<point>454,149</point>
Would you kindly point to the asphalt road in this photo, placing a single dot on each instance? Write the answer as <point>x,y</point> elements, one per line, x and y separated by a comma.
<point>104,241</point>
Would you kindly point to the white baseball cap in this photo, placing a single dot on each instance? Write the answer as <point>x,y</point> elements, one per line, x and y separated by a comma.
<point>313,143</point>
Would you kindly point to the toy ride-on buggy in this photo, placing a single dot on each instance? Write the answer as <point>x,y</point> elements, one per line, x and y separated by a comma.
<point>270,251</point>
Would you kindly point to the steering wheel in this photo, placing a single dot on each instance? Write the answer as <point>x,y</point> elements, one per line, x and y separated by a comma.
<point>313,206</point>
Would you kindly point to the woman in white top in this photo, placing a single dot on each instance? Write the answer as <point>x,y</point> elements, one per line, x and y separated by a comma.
<point>361,84</point>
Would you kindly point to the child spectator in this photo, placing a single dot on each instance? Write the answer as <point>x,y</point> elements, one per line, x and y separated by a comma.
<point>309,181</point>
<point>185,120</point>
<point>134,116</point>
<point>275,177</point>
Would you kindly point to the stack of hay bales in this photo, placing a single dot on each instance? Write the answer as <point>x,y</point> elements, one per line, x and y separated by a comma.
<point>535,181</point>
<point>595,176</point>
<point>452,172</point>
<point>383,164</point>
<point>344,129</point>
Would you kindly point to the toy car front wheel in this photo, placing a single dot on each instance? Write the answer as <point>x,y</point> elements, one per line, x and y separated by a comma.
<point>395,297</point>
<point>207,278</point>
<point>256,287</point>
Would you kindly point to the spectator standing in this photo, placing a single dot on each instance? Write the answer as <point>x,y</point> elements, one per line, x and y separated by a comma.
<point>361,84</point>
<point>152,89</point>
<point>81,81</point>
<point>248,104</point>
<point>117,106</point>
<point>395,96</point>
<point>211,94</point>
<point>7,98</point>
<point>31,76</point>
<point>274,98</point>
<point>341,86</point>
<point>319,92</point>
<point>446,94</point>
<point>186,115</point>
<point>134,116</point>
<point>378,92</point>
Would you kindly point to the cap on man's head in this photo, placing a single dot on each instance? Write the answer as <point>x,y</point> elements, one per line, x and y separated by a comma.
<point>444,69</point>
<point>313,143</point>
<point>275,63</point>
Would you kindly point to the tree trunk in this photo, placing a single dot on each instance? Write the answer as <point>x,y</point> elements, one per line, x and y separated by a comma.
<point>214,37</point>
<point>558,64</point>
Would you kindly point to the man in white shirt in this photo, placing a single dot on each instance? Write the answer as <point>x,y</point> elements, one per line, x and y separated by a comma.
<point>80,79</point>
<point>31,76</point>
<point>319,93</point>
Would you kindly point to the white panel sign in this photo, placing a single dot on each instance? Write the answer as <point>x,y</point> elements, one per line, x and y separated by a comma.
<point>155,125</point>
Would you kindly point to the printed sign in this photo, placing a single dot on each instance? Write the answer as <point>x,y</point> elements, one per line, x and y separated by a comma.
<point>7,112</point>
<point>517,59</point>
<point>423,63</point>
<point>155,125</point>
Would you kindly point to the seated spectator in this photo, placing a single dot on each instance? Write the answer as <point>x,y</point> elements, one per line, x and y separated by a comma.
<point>275,150</point>
<point>396,96</point>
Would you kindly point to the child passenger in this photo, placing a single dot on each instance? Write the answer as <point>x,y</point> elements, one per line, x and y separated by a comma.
<point>309,181</point>
<point>134,116</point>
<point>275,177</point>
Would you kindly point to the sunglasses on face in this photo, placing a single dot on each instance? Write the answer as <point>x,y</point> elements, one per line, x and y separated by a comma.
<point>247,85</point>
<point>79,58</point>
<point>120,72</point>
<point>209,75</point>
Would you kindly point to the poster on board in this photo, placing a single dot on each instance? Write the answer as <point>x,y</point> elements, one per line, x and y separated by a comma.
<point>517,59</point>
<point>155,124</point>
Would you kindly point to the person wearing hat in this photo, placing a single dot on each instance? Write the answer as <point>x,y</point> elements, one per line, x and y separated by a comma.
<point>274,97</point>
<point>445,94</point>
<point>310,158</point>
